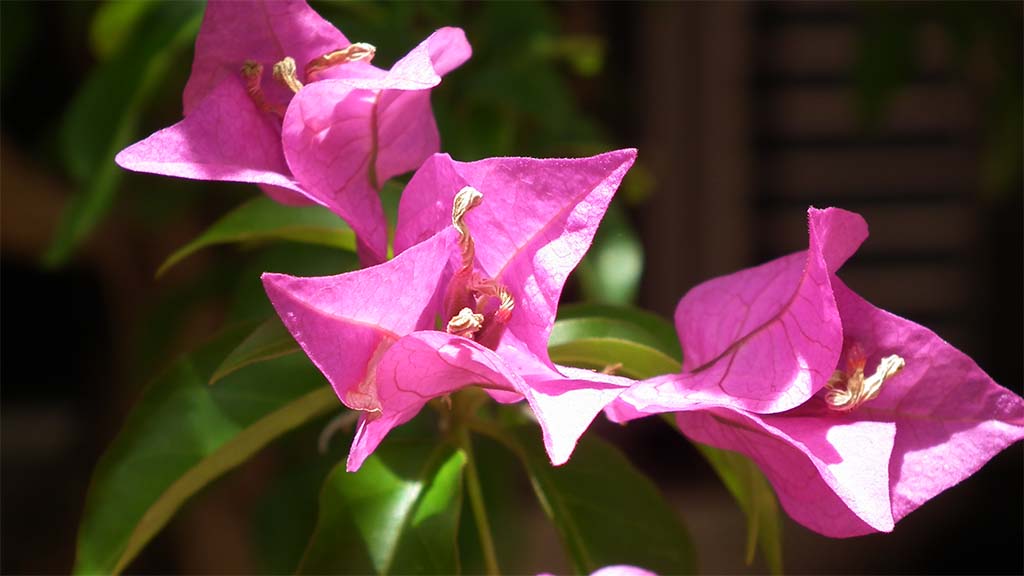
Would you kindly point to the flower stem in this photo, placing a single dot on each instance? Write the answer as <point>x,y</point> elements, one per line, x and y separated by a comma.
<point>476,501</point>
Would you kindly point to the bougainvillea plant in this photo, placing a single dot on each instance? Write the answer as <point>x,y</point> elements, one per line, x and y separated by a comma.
<point>446,337</point>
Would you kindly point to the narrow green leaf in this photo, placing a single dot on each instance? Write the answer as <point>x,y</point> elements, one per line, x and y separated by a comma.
<point>268,341</point>
<point>181,436</point>
<point>755,497</point>
<point>102,118</point>
<point>612,269</point>
<point>397,515</point>
<point>112,23</point>
<point>600,336</point>
<point>659,333</point>
<point>627,358</point>
<point>606,511</point>
<point>262,219</point>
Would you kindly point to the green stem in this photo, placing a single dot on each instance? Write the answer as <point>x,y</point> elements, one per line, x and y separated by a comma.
<point>476,501</point>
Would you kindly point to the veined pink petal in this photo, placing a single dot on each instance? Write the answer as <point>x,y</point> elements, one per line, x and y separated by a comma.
<point>933,424</point>
<point>715,315</point>
<point>263,31</point>
<point>419,367</point>
<point>345,323</point>
<point>565,407</point>
<point>343,137</point>
<point>329,142</point>
<point>395,373</point>
<point>537,220</point>
<point>406,132</point>
<point>830,471</point>
<point>950,417</point>
<point>425,365</point>
<point>767,338</point>
<point>225,138</point>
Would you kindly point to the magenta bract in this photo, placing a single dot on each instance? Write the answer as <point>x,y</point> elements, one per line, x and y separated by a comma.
<point>371,332</point>
<point>762,344</point>
<point>334,142</point>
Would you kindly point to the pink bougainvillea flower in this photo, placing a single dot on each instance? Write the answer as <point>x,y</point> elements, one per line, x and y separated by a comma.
<point>880,414</point>
<point>617,570</point>
<point>486,247</point>
<point>280,98</point>
<point>622,570</point>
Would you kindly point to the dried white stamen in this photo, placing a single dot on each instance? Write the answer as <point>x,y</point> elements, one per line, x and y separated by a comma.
<point>284,72</point>
<point>465,200</point>
<point>252,72</point>
<point>465,323</point>
<point>358,52</point>
<point>846,393</point>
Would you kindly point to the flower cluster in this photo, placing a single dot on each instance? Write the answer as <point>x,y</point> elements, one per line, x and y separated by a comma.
<point>856,416</point>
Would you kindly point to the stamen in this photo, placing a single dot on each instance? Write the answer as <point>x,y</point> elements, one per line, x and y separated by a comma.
<point>845,393</point>
<point>284,72</point>
<point>466,323</point>
<point>252,72</point>
<point>465,200</point>
<point>469,290</point>
<point>358,52</point>
<point>612,369</point>
<point>490,288</point>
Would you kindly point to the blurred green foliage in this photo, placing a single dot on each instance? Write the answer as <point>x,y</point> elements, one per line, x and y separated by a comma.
<point>103,117</point>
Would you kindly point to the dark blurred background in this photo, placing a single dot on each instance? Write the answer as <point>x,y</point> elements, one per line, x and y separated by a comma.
<point>744,115</point>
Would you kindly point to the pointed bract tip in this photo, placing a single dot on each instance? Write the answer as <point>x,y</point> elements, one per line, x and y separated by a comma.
<point>125,157</point>
<point>354,462</point>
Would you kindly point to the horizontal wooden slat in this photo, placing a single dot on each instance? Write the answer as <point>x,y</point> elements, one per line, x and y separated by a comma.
<point>943,229</point>
<point>803,50</point>
<point>802,10</point>
<point>806,48</point>
<point>911,171</point>
<point>907,289</point>
<point>801,112</point>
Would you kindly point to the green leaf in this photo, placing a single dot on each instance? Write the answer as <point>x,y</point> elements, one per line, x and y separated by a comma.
<point>262,219</point>
<point>102,118</point>
<point>755,497</point>
<point>606,511</point>
<point>268,341</point>
<point>112,24</point>
<point>597,336</point>
<point>284,515</point>
<point>660,333</point>
<point>181,436</point>
<point>398,514</point>
<point>613,267</point>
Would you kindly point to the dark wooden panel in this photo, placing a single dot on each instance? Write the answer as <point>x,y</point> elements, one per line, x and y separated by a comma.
<point>909,171</point>
<point>910,288</point>
<point>807,49</point>
<point>800,112</point>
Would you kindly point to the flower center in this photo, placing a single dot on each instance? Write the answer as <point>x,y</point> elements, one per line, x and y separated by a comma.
<point>479,307</point>
<point>286,72</point>
<point>848,391</point>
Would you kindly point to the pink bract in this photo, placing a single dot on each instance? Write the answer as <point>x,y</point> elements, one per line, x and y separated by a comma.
<point>840,473</point>
<point>371,331</point>
<point>341,136</point>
